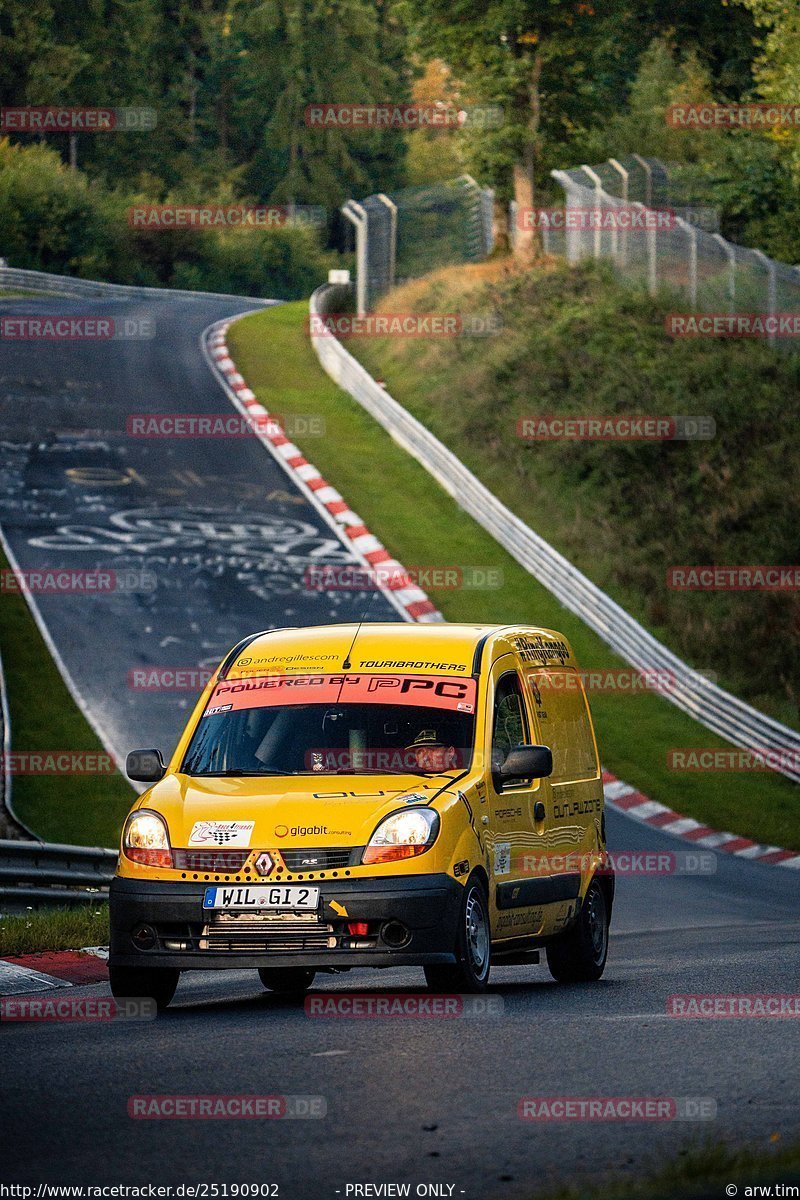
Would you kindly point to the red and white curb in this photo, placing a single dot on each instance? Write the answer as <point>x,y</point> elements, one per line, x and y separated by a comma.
<point>410,600</point>
<point>28,973</point>
<point>625,799</point>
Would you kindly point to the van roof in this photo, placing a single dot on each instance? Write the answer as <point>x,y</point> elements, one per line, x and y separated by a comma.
<point>392,646</point>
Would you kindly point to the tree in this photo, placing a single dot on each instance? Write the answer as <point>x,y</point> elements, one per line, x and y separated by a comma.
<point>303,52</point>
<point>558,67</point>
<point>777,69</point>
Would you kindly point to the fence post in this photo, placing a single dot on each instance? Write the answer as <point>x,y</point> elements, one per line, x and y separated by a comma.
<point>598,192</point>
<point>692,232</point>
<point>730,250</point>
<point>772,291</point>
<point>625,175</point>
<point>390,204</point>
<point>572,237</point>
<point>358,216</point>
<point>648,171</point>
<point>652,272</point>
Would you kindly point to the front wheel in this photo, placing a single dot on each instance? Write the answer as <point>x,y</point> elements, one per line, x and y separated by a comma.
<point>288,981</point>
<point>579,955</point>
<point>144,983</point>
<point>473,948</point>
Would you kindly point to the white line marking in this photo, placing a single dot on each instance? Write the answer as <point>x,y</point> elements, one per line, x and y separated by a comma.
<point>18,981</point>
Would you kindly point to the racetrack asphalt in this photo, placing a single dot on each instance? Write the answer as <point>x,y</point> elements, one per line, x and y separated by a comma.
<point>408,1100</point>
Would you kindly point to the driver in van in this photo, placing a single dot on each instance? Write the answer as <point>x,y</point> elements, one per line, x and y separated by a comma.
<point>429,753</point>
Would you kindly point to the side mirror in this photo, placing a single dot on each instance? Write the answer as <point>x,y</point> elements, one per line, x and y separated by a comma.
<point>526,762</point>
<point>145,766</point>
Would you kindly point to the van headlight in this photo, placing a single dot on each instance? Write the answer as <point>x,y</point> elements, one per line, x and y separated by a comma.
<point>403,834</point>
<point>145,839</point>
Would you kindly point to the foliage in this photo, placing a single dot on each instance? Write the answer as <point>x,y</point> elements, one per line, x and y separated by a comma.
<point>54,219</point>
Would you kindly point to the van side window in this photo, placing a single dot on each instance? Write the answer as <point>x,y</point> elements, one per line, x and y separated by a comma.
<point>510,723</point>
<point>564,723</point>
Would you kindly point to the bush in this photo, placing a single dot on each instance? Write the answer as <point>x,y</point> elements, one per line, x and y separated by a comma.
<point>53,219</point>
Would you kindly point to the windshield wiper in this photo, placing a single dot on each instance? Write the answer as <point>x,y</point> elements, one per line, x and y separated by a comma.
<point>233,772</point>
<point>400,771</point>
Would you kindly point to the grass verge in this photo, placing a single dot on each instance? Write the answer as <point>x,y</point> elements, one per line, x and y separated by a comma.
<point>423,526</point>
<point>84,810</point>
<point>54,929</point>
<point>574,342</point>
<point>701,1173</point>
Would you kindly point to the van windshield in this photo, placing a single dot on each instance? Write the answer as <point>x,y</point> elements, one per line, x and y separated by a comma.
<point>334,725</point>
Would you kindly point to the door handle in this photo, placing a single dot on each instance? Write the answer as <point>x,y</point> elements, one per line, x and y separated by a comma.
<point>538,811</point>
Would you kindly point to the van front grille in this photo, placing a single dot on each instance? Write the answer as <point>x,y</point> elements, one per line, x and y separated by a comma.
<point>287,933</point>
<point>328,858</point>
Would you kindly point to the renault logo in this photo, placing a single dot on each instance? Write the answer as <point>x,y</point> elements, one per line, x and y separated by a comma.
<point>264,863</point>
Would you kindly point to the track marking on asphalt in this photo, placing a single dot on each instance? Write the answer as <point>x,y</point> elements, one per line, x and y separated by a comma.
<point>411,603</point>
<point>327,1053</point>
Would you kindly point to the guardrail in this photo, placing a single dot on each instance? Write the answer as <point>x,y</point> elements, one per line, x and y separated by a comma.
<point>716,709</point>
<point>41,873</point>
<point>10,824</point>
<point>67,285</point>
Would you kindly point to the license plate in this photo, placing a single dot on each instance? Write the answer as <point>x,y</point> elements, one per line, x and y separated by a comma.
<point>261,897</point>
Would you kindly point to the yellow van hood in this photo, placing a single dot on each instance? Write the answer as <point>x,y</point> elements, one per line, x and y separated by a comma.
<point>340,810</point>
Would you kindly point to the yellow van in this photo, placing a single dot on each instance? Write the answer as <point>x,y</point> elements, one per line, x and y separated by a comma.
<point>370,796</point>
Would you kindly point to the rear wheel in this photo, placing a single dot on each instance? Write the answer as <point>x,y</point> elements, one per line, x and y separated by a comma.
<point>288,981</point>
<point>144,983</point>
<point>473,948</point>
<point>579,955</point>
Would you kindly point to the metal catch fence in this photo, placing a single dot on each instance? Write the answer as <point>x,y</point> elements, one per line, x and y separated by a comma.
<point>414,231</point>
<point>631,212</point>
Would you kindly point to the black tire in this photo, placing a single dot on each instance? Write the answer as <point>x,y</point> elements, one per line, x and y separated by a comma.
<point>144,983</point>
<point>473,948</point>
<point>288,981</point>
<point>579,955</point>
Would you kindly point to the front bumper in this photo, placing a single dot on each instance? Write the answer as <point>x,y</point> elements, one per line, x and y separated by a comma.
<point>427,905</point>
